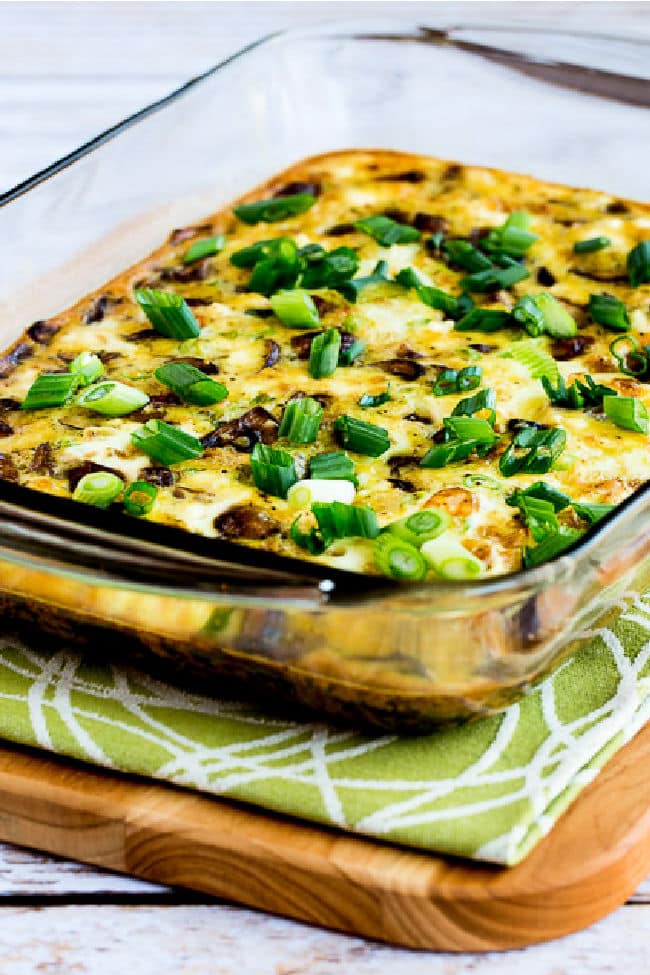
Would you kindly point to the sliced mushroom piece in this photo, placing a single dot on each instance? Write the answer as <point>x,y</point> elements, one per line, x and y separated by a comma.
<point>181,234</point>
<point>545,277</point>
<point>271,354</point>
<point>245,521</point>
<point>571,348</point>
<point>143,335</point>
<point>158,476</point>
<point>404,368</point>
<point>408,176</point>
<point>42,332</point>
<point>341,230</point>
<point>209,368</point>
<point>402,485</point>
<point>8,470</point>
<point>11,360</point>
<point>187,273</point>
<point>43,459</point>
<point>98,309</point>
<point>430,223</point>
<point>242,433</point>
<point>313,187</point>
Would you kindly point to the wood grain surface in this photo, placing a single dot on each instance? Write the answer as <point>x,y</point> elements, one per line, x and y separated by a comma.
<point>67,71</point>
<point>590,862</point>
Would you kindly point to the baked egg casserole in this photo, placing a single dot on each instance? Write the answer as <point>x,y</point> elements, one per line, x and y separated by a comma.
<point>381,361</point>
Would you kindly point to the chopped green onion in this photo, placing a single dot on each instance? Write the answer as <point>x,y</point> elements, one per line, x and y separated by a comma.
<point>543,313</point>
<point>432,297</point>
<point>361,437</point>
<point>421,526</point>
<point>353,289</point>
<point>336,520</point>
<point>168,313</point>
<point>591,244</point>
<point>592,512</point>
<point>386,231</point>
<point>165,443</point>
<point>450,559</point>
<point>626,412</point>
<point>273,210</point>
<point>276,264</point>
<point>139,498</point>
<point>607,310</point>
<point>633,361</point>
<point>550,546</point>
<point>191,384</point>
<point>315,253</point>
<point>538,515</point>
<point>464,305</point>
<point>275,273</point>
<point>311,540</point>
<point>513,238</point>
<point>484,320</point>
<point>486,400</point>
<point>483,481</point>
<point>51,389</point>
<point>457,381</point>
<point>301,420</point>
<point>324,353</point>
<point>264,250</point>
<point>581,392</point>
<point>88,366</point>
<point>273,470</point>
<point>543,492</point>
<point>535,359</point>
<point>333,466</point>
<point>378,399</point>
<point>447,383</point>
<point>440,455</point>
<point>494,277</point>
<point>306,492</point>
<point>638,264</point>
<point>295,309</point>
<point>461,252</point>
<point>396,558</point>
<point>204,248</point>
<point>467,428</point>
<point>348,356</point>
<point>111,398</point>
<point>532,451</point>
<point>99,488</point>
<point>333,269</point>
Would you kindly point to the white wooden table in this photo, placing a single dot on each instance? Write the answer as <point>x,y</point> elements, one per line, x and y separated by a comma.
<point>66,72</point>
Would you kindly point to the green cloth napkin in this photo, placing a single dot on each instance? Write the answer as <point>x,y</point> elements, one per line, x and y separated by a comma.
<point>488,790</point>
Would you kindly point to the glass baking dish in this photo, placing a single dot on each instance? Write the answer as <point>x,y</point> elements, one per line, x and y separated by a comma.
<point>556,105</point>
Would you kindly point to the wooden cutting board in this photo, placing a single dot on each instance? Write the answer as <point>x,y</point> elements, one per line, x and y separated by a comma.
<point>588,865</point>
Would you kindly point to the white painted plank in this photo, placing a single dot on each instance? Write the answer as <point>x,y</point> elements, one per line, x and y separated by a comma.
<point>25,873</point>
<point>132,39</point>
<point>225,940</point>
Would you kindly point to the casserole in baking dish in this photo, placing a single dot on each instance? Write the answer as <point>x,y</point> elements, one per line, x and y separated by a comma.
<point>371,360</point>
<point>391,336</point>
